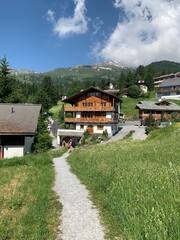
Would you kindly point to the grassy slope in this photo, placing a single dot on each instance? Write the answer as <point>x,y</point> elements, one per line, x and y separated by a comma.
<point>129,104</point>
<point>135,184</point>
<point>29,209</point>
<point>55,110</point>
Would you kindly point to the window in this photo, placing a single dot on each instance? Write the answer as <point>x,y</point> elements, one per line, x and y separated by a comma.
<point>100,127</point>
<point>90,104</point>
<point>87,104</point>
<point>87,115</point>
<point>103,104</point>
<point>81,126</point>
<point>94,94</point>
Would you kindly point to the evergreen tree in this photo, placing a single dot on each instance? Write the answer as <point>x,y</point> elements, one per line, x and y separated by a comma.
<point>74,88</point>
<point>149,82</point>
<point>43,140</point>
<point>103,83</point>
<point>139,74</point>
<point>5,80</point>
<point>140,71</point>
<point>47,93</point>
<point>149,78</point>
<point>121,82</point>
<point>16,95</point>
<point>129,79</point>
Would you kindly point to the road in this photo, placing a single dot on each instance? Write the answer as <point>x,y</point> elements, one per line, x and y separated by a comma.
<point>139,133</point>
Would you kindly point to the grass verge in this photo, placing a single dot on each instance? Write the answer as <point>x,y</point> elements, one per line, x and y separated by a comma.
<point>135,184</point>
<point>29,208</point>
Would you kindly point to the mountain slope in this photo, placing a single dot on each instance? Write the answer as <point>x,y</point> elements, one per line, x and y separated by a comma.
<point>94,72</point>
<point>164,67</point>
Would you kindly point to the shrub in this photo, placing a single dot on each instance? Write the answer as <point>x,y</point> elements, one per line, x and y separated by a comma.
<point>105,133</point>
<point>85,136</point>
<point>134,91</point>
<point>43,142</point>
<point>150,123</point>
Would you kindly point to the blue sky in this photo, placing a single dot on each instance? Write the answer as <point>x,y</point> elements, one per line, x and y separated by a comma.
<point>42,35</point>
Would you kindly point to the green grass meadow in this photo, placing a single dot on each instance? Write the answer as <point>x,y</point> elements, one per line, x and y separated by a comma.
<point>29,208</point>
<point>54,111</point>
<point>128,105</point>
<point>135,184</point>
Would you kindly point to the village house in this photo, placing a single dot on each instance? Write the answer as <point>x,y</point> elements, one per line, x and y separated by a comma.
<point>18,126</point>
<point>160,79</point>
<point>169,89</point>
<point>159,110</point>
<point>92,109</point>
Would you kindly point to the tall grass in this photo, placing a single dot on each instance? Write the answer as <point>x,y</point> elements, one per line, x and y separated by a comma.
<point>135,185</point>
<point>29,209</point>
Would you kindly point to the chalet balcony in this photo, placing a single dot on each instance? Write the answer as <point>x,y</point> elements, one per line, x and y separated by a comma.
<point>170,89</point>
<point>88,109</point>
<point>156,115</point>
<point>89,120</point>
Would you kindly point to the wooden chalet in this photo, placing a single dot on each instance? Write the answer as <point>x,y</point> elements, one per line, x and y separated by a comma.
<point>18,126</point>
<point>160,79</point>
<point>169,88</point>
<point>93,109</point>
<point>159,109</point>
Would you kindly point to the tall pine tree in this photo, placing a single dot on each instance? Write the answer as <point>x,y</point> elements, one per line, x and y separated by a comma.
<point>5,81</point>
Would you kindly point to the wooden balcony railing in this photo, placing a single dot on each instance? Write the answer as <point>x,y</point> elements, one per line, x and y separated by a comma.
<point>171,89</point>
<point>90,120</point>
<point>155,115</point>
<point>94,108</point>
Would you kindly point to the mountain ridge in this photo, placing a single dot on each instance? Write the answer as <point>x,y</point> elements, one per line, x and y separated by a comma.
<point>99,70</point>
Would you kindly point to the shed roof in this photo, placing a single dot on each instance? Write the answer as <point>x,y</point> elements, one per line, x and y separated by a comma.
<point>19,118</point>
<point>87,90</point>
<point>161,106</point>
<point>170,82</point>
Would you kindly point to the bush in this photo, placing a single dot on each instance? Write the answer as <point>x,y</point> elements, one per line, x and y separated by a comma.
<point>85,136</point>
<point>105,133</point>
<point>134,91</point>
<point>43,142</point>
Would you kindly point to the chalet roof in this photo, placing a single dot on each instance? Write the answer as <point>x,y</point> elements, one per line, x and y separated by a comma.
<point>164,105</point>
<point>19,118</point>
<point>170,82</point>
<point>87,90</point>
<point>171,75</point>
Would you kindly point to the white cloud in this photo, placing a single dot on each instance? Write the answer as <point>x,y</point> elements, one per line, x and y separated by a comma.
<point>97,25</point>
<point>150,32</point>
<point>50,16</point>
<point>77,24</point>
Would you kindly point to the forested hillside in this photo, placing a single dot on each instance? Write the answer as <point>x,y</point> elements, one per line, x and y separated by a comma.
<point>164,67</point>
<point>71,80</point>
<point>47,88</point>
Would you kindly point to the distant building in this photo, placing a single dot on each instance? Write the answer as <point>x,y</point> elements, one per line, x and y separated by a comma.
<point>160,79</point>
<point>157,109</point>
<point>142,86</point>
<point>169,89</point>
<point>63,97</point>
<point>18,126</point>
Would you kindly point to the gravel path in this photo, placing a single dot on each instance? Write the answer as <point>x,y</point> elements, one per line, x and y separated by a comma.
<point>79,219</point>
